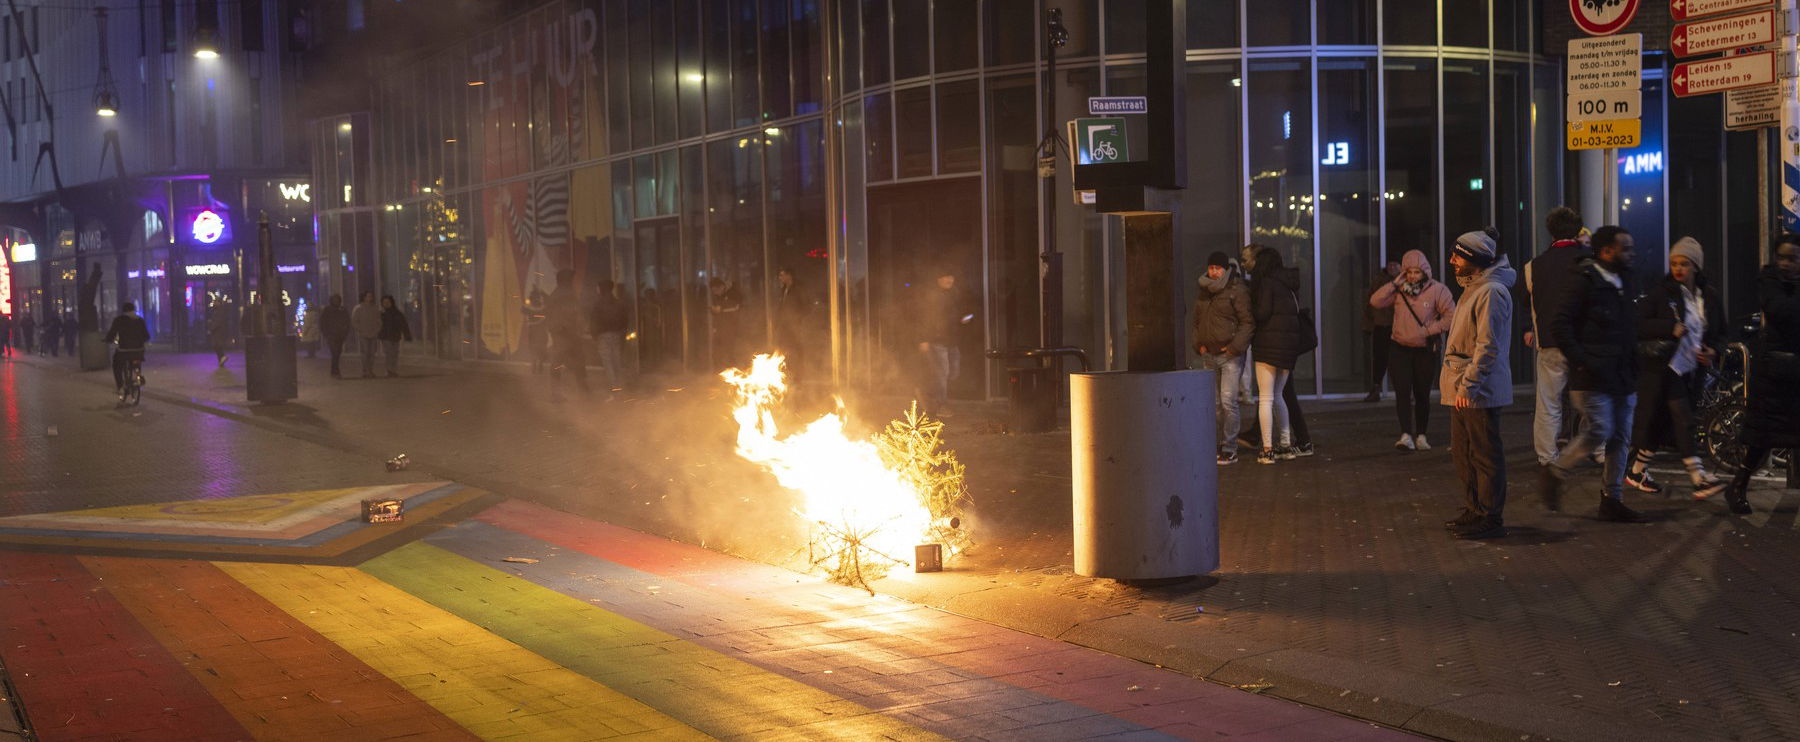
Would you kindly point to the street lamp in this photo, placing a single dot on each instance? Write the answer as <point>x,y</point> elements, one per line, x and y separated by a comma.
<point>206,45</point>
<point>106,103</point>
<point>106,95</point>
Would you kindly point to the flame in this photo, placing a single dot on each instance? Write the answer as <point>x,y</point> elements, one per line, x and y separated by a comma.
<point>841,480</point>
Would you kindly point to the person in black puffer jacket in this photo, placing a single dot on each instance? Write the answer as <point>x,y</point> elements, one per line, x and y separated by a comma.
<point>1678,335</point>
<point>1773,419</point>
<point>1278,342</point>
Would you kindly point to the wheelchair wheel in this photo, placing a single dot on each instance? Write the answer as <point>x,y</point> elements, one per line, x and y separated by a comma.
<point>1722,435</point>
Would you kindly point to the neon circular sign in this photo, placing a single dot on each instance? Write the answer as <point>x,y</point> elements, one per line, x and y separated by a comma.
<point>208,227</point>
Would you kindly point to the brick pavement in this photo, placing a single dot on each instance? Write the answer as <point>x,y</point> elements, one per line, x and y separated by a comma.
<point>1334,565</point>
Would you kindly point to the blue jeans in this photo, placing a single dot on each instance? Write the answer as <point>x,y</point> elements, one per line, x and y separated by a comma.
<point>943,363</point>
<point>1608,419</point>
<point>1231,370</point>
<point>1552,381</point>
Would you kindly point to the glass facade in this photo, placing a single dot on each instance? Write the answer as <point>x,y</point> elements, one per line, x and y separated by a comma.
<point>863,145</point>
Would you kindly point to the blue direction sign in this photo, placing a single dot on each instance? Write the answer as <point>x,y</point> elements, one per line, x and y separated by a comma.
<point>1117,104</point>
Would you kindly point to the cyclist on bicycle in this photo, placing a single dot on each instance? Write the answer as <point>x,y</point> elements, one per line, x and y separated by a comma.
<point>132,334</point>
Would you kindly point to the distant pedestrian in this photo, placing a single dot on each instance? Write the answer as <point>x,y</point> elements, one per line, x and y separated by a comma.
<point>71,329</point>
<point>309,330</point>
<point>727,304</point>
<point>1597,330</point>
<point>217,330</point>
<point>943,313</point>
<point>334,325</point>
<point>365,319</point>
<point>1476,381</point>
<point>28,330</point>
<point>1223,326</point>
<point>607,321</point>
<point>1378,324</point>
<point>793,318</point>
<point>53,329</point>
<point>1279,340</point>
<point>6,332</point>
<point>1422,312</point>
<point>1678,331</point>
<point>1772,419</point>
<point>537,332</point>
<point>1550,279</point>
<point>563,313</point>
<point>133,336</point>
<point>394,329</point>
<point>1290,399</point>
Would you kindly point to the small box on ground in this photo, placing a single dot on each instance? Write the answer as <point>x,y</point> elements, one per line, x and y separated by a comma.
<point>928,558</point>
<point>382,511</point>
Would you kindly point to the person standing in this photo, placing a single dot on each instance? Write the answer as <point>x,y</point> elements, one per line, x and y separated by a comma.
<point>726,304</point>
<point>53,327</point>
<point>1278,339</point>
<point>1301,437</point>
<point>1678,327</point>
<point>365,319</point>
<point>394,328</point>
<point>28,333</point>
<point>6,330</point>
<point>537,332</point>
<point>1378,324</point>
<point>1223,326</point>
<point>942,314</point>
<point>216,330</point>
<point>1597,330</point>
<point>1550,279</point>
<point>608,322</point>
<point>334,325</point>
<point>793,311</point>
<point>1772,418</point>
<point>563,313</point>
<point>71,329</point>
<point>1476,380</point>
<point>1422,312</point>
<point>309,330</point>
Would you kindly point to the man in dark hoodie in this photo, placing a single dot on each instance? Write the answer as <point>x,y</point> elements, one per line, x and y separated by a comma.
<point>1597,330</point>
<point>1223,324</point>
<point>1549,281</point>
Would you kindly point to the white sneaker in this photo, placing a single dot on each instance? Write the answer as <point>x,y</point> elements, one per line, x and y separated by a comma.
<point>1405,443</point>
<point>1421,444</point>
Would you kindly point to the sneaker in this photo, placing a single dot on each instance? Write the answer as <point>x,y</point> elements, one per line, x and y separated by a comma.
<point>1643,482</point>
<point>1287,453</point>
<point>1374,396</point>
<point>1227,458</point>
<point>1739,505</point>
<point>1614,510</point>
<point>1405,443</point>
<point>1550,488</point>
<point>1420,443</point>
<point>1266,456</point>
<point>1468,517</point>
<point>1304,450</point>
<point>1481,529</point>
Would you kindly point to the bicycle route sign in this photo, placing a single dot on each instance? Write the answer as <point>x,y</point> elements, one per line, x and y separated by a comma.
<point>1101,140</point>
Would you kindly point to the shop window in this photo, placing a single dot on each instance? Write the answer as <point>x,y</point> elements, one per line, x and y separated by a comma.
<point>777,102</point>
<point>1011,27</point>
<point>1411,191</point>
<point>1280,140</point>
<point>912,131</point>
<point>956,40</point>
<point>875,41</point>
<point>959,127</point>
<point>1347,22</point>
<point>1281,23</point>
<point>1409,22</point>
<point>912,38</point>
<point>1349,207</point>
<point>1466,23</point>
<point>1468,184</point>
<point>879,123</point>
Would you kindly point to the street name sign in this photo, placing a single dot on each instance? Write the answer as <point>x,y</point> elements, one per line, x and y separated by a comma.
<point>1624,133</point>
<point>1602,17</point>
<point>1606,63</point>
<point>1704,76</point>
<point>1753,108</point>
<point>1114,105</point>
<point>1606,105</point>
<point>1720,34</point>
<point>1682,10</point>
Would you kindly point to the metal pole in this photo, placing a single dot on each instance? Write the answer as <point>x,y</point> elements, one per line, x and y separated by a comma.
<point>1789,140</point>
<point>1609,184</point>
<point>1763,222</point>
<point>1050,331</point>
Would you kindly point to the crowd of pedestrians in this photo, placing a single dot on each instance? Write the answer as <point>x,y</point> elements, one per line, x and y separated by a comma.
<point>1619,366</point>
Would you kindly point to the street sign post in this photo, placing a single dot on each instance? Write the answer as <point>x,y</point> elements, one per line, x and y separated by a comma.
<point>1704,76</point>
<point>1719,34</point>
<point>1117,104</point>
<point>1753,108</point>
<point>1607,63</point>
<point>1100,140</point>
<point>1682,10</point>
<point>1624,133</point>
<point>1606,105</point>
<point>1602,18</point>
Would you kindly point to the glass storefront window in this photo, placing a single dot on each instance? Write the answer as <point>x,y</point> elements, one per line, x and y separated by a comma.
<point>875,41</point>
<point>850,43</point>
<point>1410,193</point>
<point>879,125</point>
<point>912,38</point>
<point>717,84</point>
<point>1281,23</point>
<point>912,131</point>
<point>956,40</point>
<point>618,78</point>
<point>1467,183</point>
<point>1512,25</point>
<point>1466,23</point>
<point>1349,218</point>
<point>1011,27</point>
<point>777,94</point>
<point>745,80</point>
<point>1347,22</point>
<point>808,57</point>
<point>1280,142</point>
<point>1125,26</point>
<point>690,72</point>
<point>959,127</point>
<point>1212,24</point>
<point>1409,22</point>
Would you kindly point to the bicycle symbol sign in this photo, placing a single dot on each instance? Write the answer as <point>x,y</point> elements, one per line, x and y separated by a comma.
<point>1101,140</point>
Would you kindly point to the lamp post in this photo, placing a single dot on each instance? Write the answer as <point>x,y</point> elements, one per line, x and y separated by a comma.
<point>1050,280</point>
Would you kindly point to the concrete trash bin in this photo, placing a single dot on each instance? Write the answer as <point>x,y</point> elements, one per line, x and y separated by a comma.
<point>1146,482</point>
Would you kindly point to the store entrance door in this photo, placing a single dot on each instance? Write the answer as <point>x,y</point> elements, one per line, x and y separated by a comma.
<point>915,231</point>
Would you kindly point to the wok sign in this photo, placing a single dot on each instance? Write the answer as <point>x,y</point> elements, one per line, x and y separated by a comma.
<point>1720,34</point>
<point>1724,73</point>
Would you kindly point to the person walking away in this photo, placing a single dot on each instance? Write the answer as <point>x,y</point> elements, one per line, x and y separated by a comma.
<point>1423,309</point>
<point>942,315</point>
<point>53,327</point>
<point>309,330</point>
<point>1597,330</point>
<point>1275,307</point>
<point>726,304</point>
<point>6,330</point>
<point>1476,380</point>
<point>1678,327</point>
<point>216,330</point>
<point>365,319</point>
<point>608,322</point>
<point>1550,278</point>
<point>28,330</point>
<point>334,325</point>
<point>1378,324</point>
<point>1223,326</point>
<point>132,335</point>
<point>1772,418</point>
<point>537,332</point>
<point>793,310</point>
<point>394,328</point>
<point>563,313</point>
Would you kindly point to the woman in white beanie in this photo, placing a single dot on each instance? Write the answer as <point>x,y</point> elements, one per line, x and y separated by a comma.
<point>1678,328</point>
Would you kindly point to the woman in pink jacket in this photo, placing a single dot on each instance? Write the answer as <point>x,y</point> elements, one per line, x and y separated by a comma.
<point>1422,312</point>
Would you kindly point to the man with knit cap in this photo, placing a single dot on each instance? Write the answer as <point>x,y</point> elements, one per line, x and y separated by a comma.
<point>1476,382</point>
<point>1223,324</point>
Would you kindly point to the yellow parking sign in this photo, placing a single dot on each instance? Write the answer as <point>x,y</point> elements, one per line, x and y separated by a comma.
<point>1622,133</point>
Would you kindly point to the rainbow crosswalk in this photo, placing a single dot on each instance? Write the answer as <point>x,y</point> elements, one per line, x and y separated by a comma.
<point>613,634</point>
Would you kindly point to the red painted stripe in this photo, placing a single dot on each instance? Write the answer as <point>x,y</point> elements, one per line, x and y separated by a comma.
<point>623,546</point>
<point>86,669</point>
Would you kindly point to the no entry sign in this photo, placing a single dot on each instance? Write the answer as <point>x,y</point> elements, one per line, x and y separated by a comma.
<point>1725,73</point>
<point>1603,17</point>
<point>1719,34</point>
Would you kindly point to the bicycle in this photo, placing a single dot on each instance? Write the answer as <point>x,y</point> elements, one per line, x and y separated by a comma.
<point>133,391</point>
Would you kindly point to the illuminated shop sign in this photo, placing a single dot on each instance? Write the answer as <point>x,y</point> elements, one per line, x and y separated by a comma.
<point>291,192</point>
<point>24,252</point>
<point>5,289</point>
<point>209,269</point>
<point>152,273</point>
<point>290,269</point>
<point>1336,153</point>
<point>208,227</point>
<point>1641,164</point>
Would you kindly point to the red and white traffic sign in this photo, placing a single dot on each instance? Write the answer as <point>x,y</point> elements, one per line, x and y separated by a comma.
<point>1682,10</point>
<point>1704,76</point>
<point>1603,17</point>
<point>1719,34</point>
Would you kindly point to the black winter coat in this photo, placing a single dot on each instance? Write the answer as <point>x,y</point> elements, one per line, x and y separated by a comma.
<point>1774,392</point>
<point>1597,330</point>
<point>1279,339</point>
<point>334,323</point>
<point>394,327</point>
<point>1662,308</point>
<point>1551,278</point>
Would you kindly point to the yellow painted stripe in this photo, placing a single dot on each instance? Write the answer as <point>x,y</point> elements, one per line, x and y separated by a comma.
<point>492,687</point>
